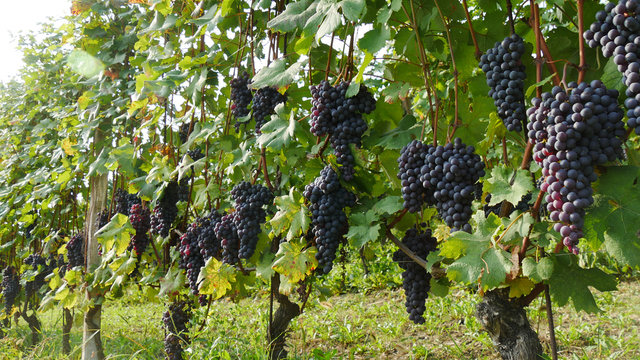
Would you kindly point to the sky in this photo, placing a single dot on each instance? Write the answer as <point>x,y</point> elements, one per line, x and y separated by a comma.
<point>17,16</point>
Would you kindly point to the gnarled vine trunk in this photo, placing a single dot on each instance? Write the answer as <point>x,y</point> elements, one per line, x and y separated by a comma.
<point>286,312</point>
<point>67,323</point>
<point>34,326</point>
<point>508,326</point>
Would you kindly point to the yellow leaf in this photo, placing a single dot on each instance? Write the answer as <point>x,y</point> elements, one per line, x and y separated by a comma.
<point>67,146</point>
<point>215,278</point>
<point>520,287</point>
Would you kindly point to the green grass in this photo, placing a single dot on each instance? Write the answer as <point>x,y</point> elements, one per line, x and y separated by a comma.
<point>350,326</point>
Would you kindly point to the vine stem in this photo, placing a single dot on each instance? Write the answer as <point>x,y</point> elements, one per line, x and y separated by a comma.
<point>552,331</point>
<point>583,62</point>
<point>418,260</point>
<point>264,169</point>
<point>510,13</point>
<point>456,121</point>
<point>473,33</point>
<point>427,77</point>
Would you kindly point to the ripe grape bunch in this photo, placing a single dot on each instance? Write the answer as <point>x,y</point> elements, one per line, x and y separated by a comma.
<point>140,218</point>
<point>444,176</point>
<point>617,30</point>
<point>264,104</point>
<point>415,278</point>
<point>505,76</point>
<point>228,235</point>
<point>208,242</point>
<point>191,259</point>
<point>241,96</point>
<point>124,201</point>
<point>166,210</point>
<point>10,288</point>
<point>175,321</point>
<point>327,200</point>
<point>75,251</point>
<point>249,215</point>
<point>340,117</point>
<point>38,264</point>
<point>574,131</point>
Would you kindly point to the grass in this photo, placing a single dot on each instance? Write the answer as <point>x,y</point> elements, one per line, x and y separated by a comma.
<point>349,326</point>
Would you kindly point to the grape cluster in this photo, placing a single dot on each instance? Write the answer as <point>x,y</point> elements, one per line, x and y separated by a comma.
<point>341,118</point>
<point>75,251</point>
<point>184,132</point>
<point>124,201</point>
<point>249,216</point>
<point>327,200</point>
<point>444,176</point>
<point>415,278</point>
<point>191,259</point>
<point>574,131</point>
<point>505,76</point>
<point>240,95</point>
<point>166,210</point>
<point>207,240</point>
<point>195,154</point>
<point>410,162</point>
<point>39,264</point>
<point>140,219</point>
<point>175,321</point>
<point>10,288</point>
<point>617,30</point>
<point>264,104</point>
<point>227,233</point>
<point>103,218</point>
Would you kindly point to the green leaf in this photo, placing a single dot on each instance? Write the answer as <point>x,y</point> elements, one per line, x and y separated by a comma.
<point>570,281</point>
<point>278,132</point>
<point>84,63</point>
<point>294,261</point>
<point>277,74</point>
<point>352,9</point>
<point>516,226</point>
<point>291,216</point>
<point>362,228</point>
<point>612,221</point>
<point>215,278</point>
<point>116,234</point>
<point>537,271</point>
<point>478,259</point>
<point>330,23</point>
<point>533,87</point>
<point>389,205</point>
<point>294,16</point>
<point>172,281</point>
<point>500,187</point>
<point>375,39</point>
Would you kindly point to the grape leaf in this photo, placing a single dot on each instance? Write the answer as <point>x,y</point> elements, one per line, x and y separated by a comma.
<point>291,217</point>
<point>294,261</point>
<point>172,281</point>
<point>84,63</point>
<point>570,281</point>
<point>116,234</point>
<point>500,187</point>
<point>520,287</point>
<point>388,205</point>
<point>537,271</point>
<point>516,227</point>
<point>215,278</point>
<point>363,229</point>
<point>612,222</point>
<point>295,15</point>
<point>478,258</point>
<point>278,132</point>
<point>277,74</point>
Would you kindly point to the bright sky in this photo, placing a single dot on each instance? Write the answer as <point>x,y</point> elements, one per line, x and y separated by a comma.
<point>17,16</point>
